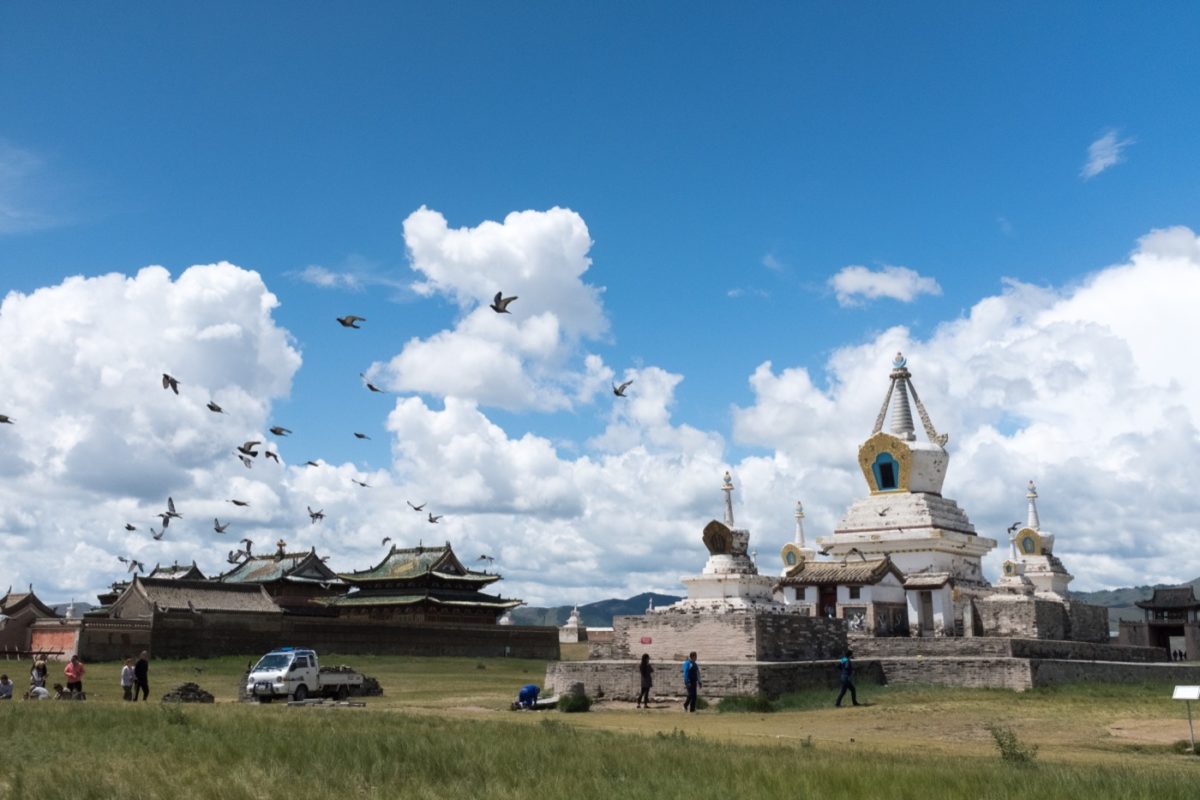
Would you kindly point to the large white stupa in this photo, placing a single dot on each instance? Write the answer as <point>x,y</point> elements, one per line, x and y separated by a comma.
<point>905,517</point>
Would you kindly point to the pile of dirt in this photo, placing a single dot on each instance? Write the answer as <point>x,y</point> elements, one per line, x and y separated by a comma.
<point>187,693</point>
<point>370,686</point>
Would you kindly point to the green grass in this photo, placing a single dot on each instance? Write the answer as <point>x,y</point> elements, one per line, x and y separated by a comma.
<point>442,729</point>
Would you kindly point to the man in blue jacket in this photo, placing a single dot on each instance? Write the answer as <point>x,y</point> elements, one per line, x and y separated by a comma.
<point>691,681</point>
<point>846,673</point>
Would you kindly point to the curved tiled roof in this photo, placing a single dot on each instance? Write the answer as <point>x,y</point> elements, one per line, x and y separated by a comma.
<point>402,564</point>
<point>813,573</point>
<point>180,594</point>
<point>306,566</point>
<point>1182,597</point>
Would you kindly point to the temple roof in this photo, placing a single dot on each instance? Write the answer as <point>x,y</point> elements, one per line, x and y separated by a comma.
<point>303,567</point>
<point>180,594</point>
<point>816,573</point>
<point>409,563</point>
<point>1182,597</point>
<point>177,571</point>
<point>13,603</point>
<point>413,598</point>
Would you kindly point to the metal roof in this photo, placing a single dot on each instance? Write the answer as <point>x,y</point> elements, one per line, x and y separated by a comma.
<point>409,563</point>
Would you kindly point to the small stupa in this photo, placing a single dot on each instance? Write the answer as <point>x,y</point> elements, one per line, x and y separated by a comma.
<point>730,579</point>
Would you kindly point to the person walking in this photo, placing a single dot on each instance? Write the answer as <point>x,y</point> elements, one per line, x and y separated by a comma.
<point>74,671</point>
<point>691,681</point>
<point>127,680</point>
<point>643,698</point>
<point>141,674</point>
<point>846,674</point>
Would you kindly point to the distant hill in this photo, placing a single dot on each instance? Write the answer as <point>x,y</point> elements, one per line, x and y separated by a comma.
<point>1120,602</point>
<point>594,615</point>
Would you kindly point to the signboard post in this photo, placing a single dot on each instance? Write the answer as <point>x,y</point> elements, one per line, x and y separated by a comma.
<point>1188,694</point>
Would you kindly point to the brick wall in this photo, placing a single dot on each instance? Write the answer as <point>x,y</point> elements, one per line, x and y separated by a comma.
<point>998,647</point>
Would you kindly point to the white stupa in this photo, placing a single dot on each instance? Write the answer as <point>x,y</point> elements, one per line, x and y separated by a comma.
<point>905,516</point>
<point>730,580</point>
<point>1032,565</point>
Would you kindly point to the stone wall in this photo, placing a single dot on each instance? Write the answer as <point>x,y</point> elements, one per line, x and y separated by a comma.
<point>1049,672</point>
<point>186,635</point>
<point>974,673</point>
<point>621,680</point>
<point>1035,618</point>
<point>1088,623</point>
<point>726,636</point>
<point>112,640</point>
<point>996,647</point>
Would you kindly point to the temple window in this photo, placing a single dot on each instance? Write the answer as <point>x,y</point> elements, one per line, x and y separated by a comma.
<point>855,591</point>
<point>886,472</point>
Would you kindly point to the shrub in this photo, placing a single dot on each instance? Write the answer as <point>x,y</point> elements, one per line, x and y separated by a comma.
<point>1010,746</point>
<point>752,703</point>
<point>571,703</point>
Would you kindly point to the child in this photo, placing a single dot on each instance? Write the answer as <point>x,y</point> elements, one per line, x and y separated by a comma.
<point>127,679</point>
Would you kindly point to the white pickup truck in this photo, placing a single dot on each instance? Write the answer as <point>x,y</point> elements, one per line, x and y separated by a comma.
<point>294,674</point>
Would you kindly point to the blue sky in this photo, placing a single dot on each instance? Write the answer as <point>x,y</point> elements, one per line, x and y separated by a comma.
<point>727,164</point>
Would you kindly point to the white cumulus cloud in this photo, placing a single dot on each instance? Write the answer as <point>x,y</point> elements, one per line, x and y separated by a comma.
<point>855,284</point>
<point>530,358</point>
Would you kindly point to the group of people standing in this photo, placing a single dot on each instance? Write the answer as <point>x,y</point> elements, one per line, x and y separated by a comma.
<point>691,681</point>
<point>135,680</point>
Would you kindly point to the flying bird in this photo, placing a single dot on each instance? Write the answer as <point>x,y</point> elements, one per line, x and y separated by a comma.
<point>136,566</point>
<point>370,385</point>
<point>278,431</point>
<point>432,518</point>
<point>171,383</point>
<point>235,556</point>
<point>166,520</point>
<point>129,527</point>
<point>315,516</point>
<point>363,484</point>
<point>271,455</point>
<point>123,559</point>
<point>500,304</point>
<point>218,527</point>
<point>239,502</point>
<point>883,511</point>
<point>358,435</point>
<point>158,534</point>
<point>487,558</point>
<point>349,321</point>
<point>5,418</point>
<point>386,539</point>
<point>247,463</point>
<point>247,448</point>
<point>311,464</point>
<point>216,409</point>
<point>171,509</point>
<point>415,508</point>
<point>1013,528</point>
<point>619,391</point>
<point>249,544</point>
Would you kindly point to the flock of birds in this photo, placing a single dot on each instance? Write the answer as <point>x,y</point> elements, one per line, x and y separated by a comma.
<point>248,451</point>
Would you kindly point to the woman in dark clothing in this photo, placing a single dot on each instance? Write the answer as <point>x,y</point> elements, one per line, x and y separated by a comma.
<point>643,699</point>
<point>141,674</point>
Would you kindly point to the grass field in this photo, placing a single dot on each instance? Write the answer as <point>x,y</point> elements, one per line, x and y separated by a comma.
<point>442,729</point>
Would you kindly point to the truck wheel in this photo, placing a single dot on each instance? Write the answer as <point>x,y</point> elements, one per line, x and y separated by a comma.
<point>262,698</point>
<point>301,693</point>
<point>343,692</point>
